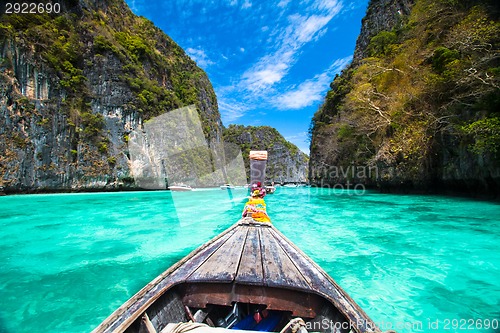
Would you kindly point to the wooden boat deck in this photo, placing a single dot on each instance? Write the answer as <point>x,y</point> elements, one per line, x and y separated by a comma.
<point>250,254</point>
<point>247,254</point>
<point>254,253</point>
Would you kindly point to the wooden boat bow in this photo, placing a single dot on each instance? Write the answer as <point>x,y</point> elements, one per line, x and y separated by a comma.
<point>250,262</point>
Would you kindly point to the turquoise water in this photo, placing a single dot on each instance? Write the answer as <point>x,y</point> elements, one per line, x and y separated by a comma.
<point>413,263</point>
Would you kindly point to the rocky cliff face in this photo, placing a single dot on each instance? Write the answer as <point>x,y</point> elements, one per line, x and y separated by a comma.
<point>74,85</point>
<point>383,15</point>
<point>418,109</point>
<point>286,163</point>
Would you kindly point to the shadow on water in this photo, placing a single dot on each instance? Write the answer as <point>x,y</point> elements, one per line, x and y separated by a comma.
<point>3,328</point>
<point>231,196</point>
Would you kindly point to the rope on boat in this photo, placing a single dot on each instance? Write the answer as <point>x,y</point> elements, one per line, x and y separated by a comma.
<point>295,325</point>
<point>183,327</point>
<point>171,328</point>
<point>147,323</point>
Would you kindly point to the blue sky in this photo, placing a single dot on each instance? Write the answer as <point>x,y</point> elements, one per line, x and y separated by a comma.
<point>269,61</point>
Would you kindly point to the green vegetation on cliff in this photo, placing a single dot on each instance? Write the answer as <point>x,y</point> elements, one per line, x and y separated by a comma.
<point>75,84</point>
<point>74,42</point>
<point>424,107</point>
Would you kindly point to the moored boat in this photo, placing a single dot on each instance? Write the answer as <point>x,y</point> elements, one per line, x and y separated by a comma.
<point>180,188</point>
<point>249,271</point>
<point>270,189</point>
<point>227,187</point>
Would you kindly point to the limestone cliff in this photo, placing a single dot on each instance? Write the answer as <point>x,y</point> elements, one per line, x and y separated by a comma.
<point>418,109</point>
<point>286,163</point>
<point>384,15</point>
<point>73,86</point>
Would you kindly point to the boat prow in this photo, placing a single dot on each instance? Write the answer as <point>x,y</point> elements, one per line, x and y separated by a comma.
<point>249,268</point>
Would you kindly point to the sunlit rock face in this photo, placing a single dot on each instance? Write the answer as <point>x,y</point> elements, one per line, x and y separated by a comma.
<point>417,110</point>
<point>74,86</point>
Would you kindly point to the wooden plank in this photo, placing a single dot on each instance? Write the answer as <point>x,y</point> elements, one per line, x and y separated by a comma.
<point>182,271</point>
<point>193,263</point>
<point>223,264</point>
<point>279,271</point>
<point>123,317</point>
<point>199,295</point>
<point>250,270</point>
<point>312,275</point>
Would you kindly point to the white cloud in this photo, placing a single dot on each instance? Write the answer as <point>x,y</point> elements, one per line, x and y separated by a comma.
<point>262,76</point>
<point>242,49</point>
<point>286,45</point>
<point>310,91</point>
<point>330,5</point>
<point>262,84</point>
<point>309,26</point>
<point>231,110</point>
<point>283,3</point>
<point>301,135</point>
<point>137,6</point>
<point>306,94</point>
<point>247,4</point>
<point>199,56</point>
<point>300,140</point>
<point>132,5</point>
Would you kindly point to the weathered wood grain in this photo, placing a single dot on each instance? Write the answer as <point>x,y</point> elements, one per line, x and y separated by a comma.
<point>182,273</point>
<point>222,265</point>
<point>279,270</point>
<point>122,317</point>
<point>250,263</point>
<point>250,270</point>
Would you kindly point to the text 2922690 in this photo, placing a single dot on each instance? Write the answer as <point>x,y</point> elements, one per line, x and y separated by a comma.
<point>32,8</point>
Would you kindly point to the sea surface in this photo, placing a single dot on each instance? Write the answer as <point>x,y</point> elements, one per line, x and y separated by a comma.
<point>413,263</point>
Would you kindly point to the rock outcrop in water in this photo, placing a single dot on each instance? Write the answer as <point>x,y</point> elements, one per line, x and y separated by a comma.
<point>418,109</point>
<point>286,163</point>
<point>74,85</point>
